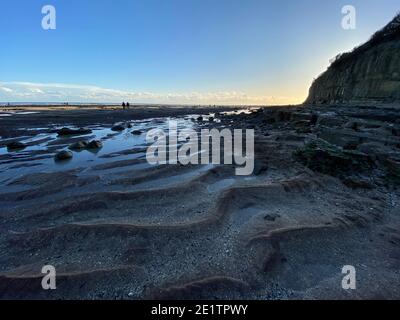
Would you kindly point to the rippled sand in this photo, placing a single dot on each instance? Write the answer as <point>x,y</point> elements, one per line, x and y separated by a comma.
<point>116,227</point>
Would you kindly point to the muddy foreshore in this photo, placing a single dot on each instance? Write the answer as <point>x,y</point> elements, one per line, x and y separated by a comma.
<point>324,194</point>
<point>23,118</point>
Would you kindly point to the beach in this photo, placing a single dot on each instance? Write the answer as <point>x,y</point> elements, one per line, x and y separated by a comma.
<point>116,227</point>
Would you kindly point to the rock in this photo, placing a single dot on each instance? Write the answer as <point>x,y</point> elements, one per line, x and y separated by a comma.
<point>368,124</point>
<point>301,123</point>
<point>291,137</point>
<point>16,145</point>
<point>396,131</point>
<point>63,155</point>
<point>351,146</point>
<point>260,166</point>
<point>392,129</point>
<point>314,119</point>
<point>80,145</point>
<point>69,132</point>
<point>352,125</point>
<point>392,171</point>
<point>330,120</point>
<point>283,116</point>
<point>211,119</point>
<point>301,116</point>
<point>118,127</point>
<point>271,217</point>
<point>375,150</point>
<point>357,183</point>
<point>344,138</point>
<point>321,156</point>
<point>200,119</point>
<point>137,132</point>
<point>95,144</point>
<point>268,120</point>
<point>303,130</point>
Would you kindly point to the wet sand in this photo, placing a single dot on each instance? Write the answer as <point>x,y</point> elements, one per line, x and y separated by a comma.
<point>19,119</point>
<point>116,227</point>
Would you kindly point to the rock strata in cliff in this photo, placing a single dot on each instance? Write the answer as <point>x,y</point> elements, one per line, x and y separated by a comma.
<point>368,74</point>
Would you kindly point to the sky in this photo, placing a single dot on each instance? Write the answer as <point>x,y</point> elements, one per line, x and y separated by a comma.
<point>251,52</point>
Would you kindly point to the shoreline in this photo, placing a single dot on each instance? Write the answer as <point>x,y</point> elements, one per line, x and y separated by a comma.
<point>44,116</point>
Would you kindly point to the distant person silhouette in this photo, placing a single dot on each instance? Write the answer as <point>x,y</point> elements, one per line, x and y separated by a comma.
<point>123,105</point>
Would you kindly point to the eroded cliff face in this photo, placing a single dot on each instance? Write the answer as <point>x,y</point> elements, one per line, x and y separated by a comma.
<point>368,74</point>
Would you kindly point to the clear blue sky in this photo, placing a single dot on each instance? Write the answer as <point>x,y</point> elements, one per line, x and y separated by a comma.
<point>194,51</point>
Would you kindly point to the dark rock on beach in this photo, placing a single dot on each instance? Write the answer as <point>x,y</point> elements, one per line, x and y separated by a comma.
<point>271,217</point>
<point>82,145</point>
<point>16,146</point>
<point>95,144</point>
<point>358,183</point>
<point>77,146</point>
<point>392,168</point>
<point>70,132</point>
<point>118,127</point>
<point>321,156</point>
<point>63,155</point>
<point>260,166</point>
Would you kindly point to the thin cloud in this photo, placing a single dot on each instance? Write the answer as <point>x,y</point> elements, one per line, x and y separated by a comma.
<point>5,89</point>
<point>56,92</point>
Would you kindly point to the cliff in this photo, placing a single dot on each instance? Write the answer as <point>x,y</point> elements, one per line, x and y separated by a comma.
<point>368,74</point>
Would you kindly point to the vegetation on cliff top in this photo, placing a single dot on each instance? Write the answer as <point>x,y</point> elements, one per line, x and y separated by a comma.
<point>390,32</point>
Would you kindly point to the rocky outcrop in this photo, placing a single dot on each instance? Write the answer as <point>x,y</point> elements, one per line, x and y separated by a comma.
<point>369,74</point>
<point>321,156</point>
